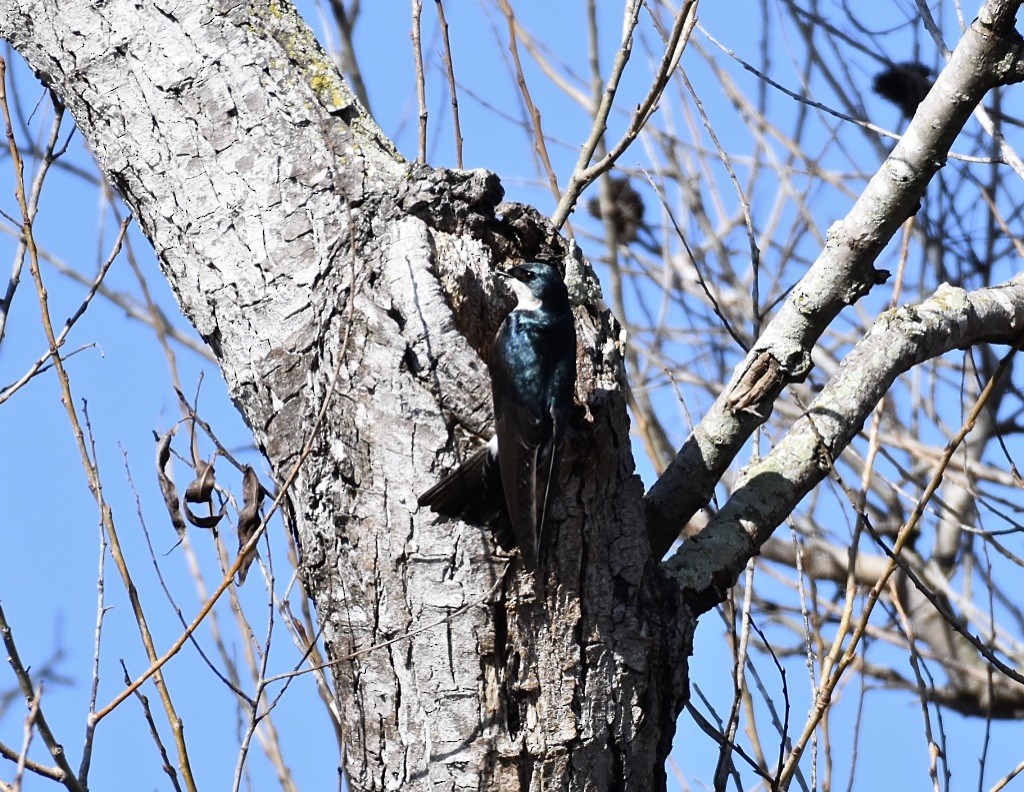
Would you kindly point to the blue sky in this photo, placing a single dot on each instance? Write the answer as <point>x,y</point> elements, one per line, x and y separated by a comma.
<point>50,528</point>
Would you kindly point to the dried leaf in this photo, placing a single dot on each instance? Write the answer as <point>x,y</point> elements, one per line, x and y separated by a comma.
<point>209,521</point>
<point>167,488</point>
<point>249,517</point>
<point>201,488</point>
<point>201,491</point>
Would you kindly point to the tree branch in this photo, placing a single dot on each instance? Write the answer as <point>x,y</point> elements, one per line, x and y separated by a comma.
<point>585,173</point>
<point>768,491</point>
<point>987,55</point>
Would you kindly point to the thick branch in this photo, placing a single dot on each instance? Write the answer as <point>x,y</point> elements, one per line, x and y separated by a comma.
<point>988,55</point>
<point>768,491</point>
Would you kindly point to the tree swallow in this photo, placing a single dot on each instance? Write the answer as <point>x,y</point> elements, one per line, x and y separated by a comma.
<point>533,379</point>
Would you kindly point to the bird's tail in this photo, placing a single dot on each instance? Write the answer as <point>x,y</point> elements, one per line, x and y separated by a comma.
<point>473,493</point>
<point>548,465</point>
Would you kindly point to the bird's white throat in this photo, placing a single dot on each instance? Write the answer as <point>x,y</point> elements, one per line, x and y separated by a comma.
<point>526,298</point>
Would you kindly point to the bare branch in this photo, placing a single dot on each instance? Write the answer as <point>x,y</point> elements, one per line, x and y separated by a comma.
<point>769,490</point>
<point>421,91</point>
<point>585,173</point>
<point>450,72</point>
<point>539,141</point>
<point>62,772</point>
<point>843,272</point>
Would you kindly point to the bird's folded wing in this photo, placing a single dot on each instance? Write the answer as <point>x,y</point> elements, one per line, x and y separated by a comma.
<point>518,454</point>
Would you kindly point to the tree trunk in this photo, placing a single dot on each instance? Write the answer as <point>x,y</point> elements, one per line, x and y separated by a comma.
<point>323,270</point>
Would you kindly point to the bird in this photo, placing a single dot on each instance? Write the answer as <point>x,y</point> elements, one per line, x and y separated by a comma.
<point>905,85</point>
<point>510,481</point>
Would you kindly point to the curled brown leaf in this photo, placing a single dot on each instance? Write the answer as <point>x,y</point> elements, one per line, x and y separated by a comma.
<point>200,490</point>
<point>167,488</point>
<point>249,516</point>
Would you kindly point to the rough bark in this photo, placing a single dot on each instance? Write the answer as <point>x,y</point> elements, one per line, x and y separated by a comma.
<point>320,266</point>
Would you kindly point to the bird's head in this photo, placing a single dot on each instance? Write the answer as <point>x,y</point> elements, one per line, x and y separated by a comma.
<point>536,285</point>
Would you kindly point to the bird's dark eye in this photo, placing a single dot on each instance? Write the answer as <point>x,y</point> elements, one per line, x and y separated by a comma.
<point>527,275</point>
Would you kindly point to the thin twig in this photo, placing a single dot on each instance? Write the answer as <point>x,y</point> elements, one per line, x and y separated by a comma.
<point>740,642</point>
<point>47,156</point>
<point>450,71</point>
<point>585,173</point>
<point>101,610</point>
<point>421,91</point>
<point>539,141</point>
<point>147,713</point>
<point>1005,780</point>
<point>26,743</point>
<point>40,364</point>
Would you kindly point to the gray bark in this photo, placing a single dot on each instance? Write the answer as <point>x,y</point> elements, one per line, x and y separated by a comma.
<point>320,266</point>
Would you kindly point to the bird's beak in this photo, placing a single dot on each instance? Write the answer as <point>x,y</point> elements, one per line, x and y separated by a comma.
<point>503,274</point>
